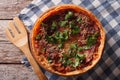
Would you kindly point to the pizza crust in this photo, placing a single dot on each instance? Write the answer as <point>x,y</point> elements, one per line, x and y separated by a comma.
<point>43,62</point>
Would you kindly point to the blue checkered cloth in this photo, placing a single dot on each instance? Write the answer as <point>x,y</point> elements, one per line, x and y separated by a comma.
<point>107,11</point>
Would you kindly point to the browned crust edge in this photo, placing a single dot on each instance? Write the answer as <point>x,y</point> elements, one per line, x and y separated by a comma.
<point>51,11</point>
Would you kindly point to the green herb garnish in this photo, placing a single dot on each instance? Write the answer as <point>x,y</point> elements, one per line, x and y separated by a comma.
<point>58,38</point>
<point>62,36</point>
<point>66,34</point>
<point>80,49</point>
<point>54,25</point>
<point>78,59</point>
<point>96,34</point>
<point>77,62</point>
<point>76,30</point>
<point>91,40</point>
<point>72,24</point>
<point>38,37</point>
<point>68,15</point>
<point>65,57</point>
<point>51,39</point>
<point>73,46</point>
<point>44,25</point>
<point>67,62</point>
<point>63,23</point>
<point>73,50</point>
<point>79,19</point>
<point>60,45</point>
<point>73,53</point>
<point>57,35</point>
<point>83,48</point>
<point>49,59</point>
<point>81,56</point>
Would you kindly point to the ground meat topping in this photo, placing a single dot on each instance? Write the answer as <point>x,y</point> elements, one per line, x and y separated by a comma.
<point>68,40</point>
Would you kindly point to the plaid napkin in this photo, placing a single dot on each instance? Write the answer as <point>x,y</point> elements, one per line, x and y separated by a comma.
<point>107,11</point>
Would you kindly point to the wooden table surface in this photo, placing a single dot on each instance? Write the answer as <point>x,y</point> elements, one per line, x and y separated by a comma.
<point>10,56</point>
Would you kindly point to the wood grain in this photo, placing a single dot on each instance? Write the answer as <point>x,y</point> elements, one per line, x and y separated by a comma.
<point>10,8</point>
<point>10,56</point>
<point>16,72</point>
<point>8,52</point>
<point>10,59</point>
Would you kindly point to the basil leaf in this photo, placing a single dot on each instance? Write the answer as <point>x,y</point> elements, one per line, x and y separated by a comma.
<point>68,15</point>
<point>63,23</point>
<point>38,37</point>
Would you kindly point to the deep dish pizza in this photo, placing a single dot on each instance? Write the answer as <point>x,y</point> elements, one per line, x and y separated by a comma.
<point>67,40</point>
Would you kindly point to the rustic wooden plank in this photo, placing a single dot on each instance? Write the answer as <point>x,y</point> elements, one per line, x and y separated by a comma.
<point>10,57</point>
<point>8,52</point>
<point>10,8</point>
<point>3,25</point>
<point>16,72</point>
